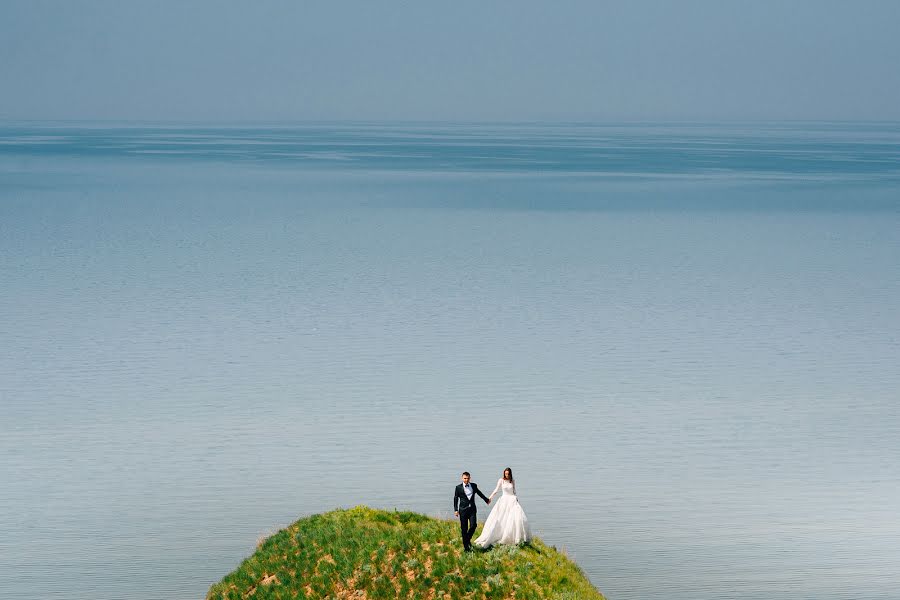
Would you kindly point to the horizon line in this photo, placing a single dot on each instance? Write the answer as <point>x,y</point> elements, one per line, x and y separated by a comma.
<point>511,122</point>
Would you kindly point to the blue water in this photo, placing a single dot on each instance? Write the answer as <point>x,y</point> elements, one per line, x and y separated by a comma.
<point>682,337</point>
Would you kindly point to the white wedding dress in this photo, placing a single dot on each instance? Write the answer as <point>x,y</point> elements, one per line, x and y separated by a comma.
<point>507,523</point>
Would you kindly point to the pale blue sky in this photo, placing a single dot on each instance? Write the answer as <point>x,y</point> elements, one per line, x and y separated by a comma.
<point>461,60</point>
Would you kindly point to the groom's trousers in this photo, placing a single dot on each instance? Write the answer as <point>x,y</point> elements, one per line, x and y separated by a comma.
<point>468,521</point>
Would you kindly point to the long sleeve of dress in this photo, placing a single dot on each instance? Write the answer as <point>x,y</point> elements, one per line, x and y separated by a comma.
<point>497,489</point>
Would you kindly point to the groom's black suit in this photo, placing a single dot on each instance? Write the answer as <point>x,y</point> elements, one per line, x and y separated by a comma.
<point>468,514</point>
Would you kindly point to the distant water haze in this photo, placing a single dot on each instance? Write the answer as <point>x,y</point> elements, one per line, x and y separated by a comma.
<point>581,59</point>
<point>682,338</point>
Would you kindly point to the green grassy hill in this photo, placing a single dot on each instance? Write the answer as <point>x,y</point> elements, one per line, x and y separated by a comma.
<point>364,553</point>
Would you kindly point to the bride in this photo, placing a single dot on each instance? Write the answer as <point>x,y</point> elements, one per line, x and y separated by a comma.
<point>507,523</point>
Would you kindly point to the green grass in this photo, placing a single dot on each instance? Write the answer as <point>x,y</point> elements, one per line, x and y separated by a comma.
<point>363,553</point>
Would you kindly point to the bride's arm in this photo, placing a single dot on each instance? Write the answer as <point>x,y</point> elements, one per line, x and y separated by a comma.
<point>496,489</point>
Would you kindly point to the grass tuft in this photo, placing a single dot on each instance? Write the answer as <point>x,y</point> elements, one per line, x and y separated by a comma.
<point>380,555</point>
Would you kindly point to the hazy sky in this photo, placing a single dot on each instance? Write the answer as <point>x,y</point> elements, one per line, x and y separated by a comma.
<point>459,60</point>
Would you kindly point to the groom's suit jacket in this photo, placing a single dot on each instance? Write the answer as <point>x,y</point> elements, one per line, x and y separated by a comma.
<point>461,502</point>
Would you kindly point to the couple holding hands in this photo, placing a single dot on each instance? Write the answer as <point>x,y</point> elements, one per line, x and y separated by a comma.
<point>507,523</point>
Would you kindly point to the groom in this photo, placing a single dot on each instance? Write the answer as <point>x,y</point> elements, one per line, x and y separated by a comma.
<point>464,508</point>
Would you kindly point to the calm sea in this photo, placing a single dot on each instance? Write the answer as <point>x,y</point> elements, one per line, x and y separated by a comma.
<point>683,338</point>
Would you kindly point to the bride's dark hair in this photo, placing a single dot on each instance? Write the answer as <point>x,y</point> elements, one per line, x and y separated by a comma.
<point>510,474</point>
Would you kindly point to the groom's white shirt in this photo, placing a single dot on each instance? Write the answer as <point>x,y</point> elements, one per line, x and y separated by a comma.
<point>467,488</point>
